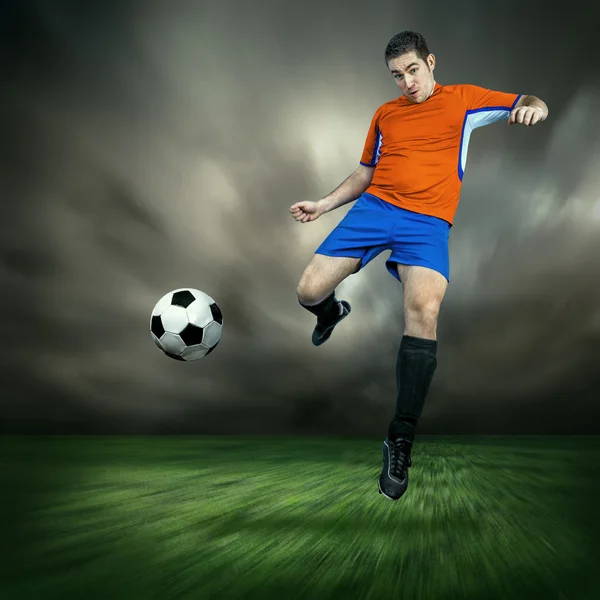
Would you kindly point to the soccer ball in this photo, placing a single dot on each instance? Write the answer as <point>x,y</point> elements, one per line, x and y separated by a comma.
<point>186,324</point>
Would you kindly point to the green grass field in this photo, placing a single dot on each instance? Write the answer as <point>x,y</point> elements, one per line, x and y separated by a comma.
<point>260,518</point>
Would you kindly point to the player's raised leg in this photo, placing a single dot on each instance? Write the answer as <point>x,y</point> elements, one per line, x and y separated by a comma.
<point>424,290</point>
<point>316,292</point>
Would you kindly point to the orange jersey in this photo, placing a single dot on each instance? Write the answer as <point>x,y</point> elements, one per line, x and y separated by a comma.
<point>419,151</point>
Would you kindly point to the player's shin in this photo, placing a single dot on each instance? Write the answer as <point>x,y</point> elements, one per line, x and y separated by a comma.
<point>415,368</point>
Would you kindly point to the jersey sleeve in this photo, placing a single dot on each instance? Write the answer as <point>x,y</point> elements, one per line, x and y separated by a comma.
<point>372,148</point>
<point>484,106</point>
<point>479,98</point>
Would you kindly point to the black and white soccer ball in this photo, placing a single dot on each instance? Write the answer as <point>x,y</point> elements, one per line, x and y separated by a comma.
<point>186,324</point>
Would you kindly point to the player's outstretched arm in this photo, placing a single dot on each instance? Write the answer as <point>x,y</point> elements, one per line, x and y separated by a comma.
<point>348,191</point>
<point>528,111</point>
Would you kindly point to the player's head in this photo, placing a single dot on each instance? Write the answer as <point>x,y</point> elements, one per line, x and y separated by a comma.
<point>411,65</point>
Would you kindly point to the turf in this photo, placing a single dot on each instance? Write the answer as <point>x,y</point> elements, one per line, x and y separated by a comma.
<point>259,518</point>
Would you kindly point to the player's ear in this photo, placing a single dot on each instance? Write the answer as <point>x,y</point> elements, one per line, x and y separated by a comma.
<point>431,61</point>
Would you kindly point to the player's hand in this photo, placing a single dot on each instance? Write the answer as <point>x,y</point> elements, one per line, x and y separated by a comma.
<point>526,115</point>
<point>306,211</point>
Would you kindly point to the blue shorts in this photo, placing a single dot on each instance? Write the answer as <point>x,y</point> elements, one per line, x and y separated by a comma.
<point>372,226</point>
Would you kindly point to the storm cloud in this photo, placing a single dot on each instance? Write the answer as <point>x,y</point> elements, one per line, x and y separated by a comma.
<point>147,148</point>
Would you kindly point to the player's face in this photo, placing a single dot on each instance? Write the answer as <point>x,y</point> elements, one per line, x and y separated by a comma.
<point>413,75</point>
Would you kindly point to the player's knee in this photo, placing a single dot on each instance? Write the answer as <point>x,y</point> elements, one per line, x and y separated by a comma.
<point>423,313</point>
<point>307,294</point>
<point>309,291</point>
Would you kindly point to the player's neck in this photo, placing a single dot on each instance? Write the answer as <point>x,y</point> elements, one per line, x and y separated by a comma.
<point>432,89</point>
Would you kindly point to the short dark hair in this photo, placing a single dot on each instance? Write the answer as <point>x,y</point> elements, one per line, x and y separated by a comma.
<point>406,41</point>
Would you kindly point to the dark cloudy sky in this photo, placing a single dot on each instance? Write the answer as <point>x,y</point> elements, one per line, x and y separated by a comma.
<point>153,145</point>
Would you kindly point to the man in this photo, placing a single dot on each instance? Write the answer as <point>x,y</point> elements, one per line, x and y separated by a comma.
<point>407,188</point>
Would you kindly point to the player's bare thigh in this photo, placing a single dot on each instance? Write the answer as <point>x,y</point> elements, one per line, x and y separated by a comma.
<point>322,275</point>
<point>424,290</point>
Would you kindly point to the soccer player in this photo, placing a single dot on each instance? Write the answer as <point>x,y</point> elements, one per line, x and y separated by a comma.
<point>407,188</point>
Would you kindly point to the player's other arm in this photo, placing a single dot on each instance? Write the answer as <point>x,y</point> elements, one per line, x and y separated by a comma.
<point>352,187</point>
<point>360,180</point>
<point>349,190</point>
<point>528,111</point>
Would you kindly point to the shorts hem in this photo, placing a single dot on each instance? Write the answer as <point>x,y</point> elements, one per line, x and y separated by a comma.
<point>391,265</point>
<point>338,253</point>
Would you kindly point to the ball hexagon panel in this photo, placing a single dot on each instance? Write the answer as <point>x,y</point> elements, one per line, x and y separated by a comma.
<point>172,343</point>
<point>199,313</point>
<point>174,319</point>
<point>162,305</point>
<point>195,352</point>
<point>212,349</point>
<point>212,334</point>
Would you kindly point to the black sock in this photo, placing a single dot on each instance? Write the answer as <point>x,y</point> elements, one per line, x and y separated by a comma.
<point>326,311</point>
<point>415,367</point>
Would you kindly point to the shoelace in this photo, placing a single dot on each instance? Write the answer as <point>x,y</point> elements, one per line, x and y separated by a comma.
<point>400,458</point>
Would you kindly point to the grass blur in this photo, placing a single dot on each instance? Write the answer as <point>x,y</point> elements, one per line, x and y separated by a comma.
<point>258,518</point>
